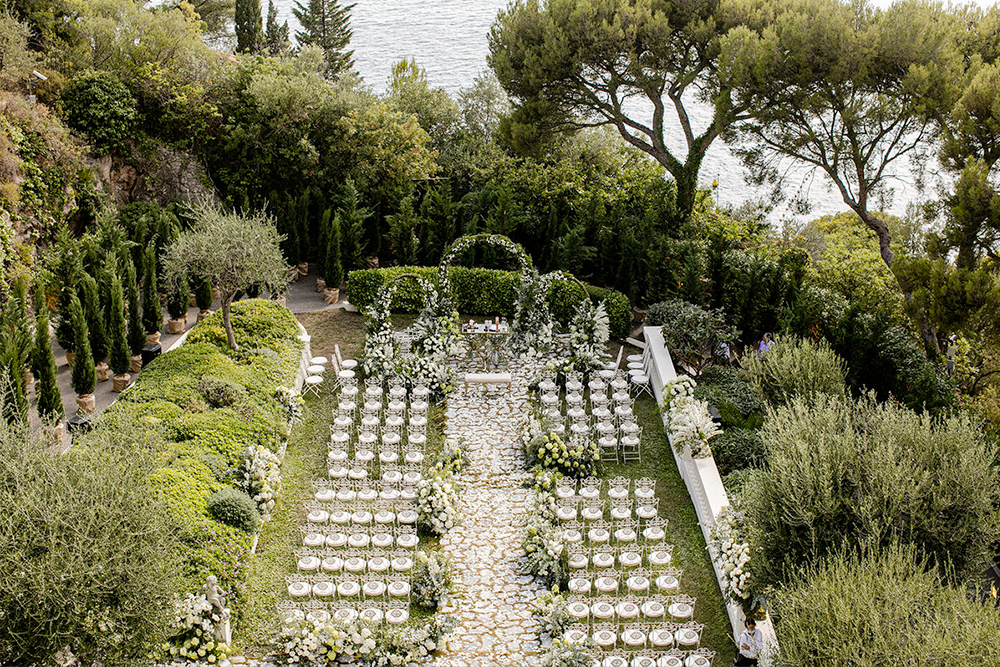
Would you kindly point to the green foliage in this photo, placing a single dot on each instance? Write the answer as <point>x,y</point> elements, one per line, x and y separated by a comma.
<point>136,334</point>
<point>202,292</point>
<point>256,324</point>
<point>178,297</point>
<point>88,563</point>
<point>883,609</point>
<point>484,292</point>
<point>119,353</point>
<point>841,473</point>
<point>737,449</point>
<point>152,310</point>
<point>796,368</point>
<point>248,26</point>
<point>49,399</point>
<point>233,250</point>
<point>350,218</point>
<point>15,352</point>
<point>738,403</point>
<point>333,267</point>
<point>83,377</point>
<point>327,24</point>
<point>100,105</point>
<point>220,393</point>
<point>693,334</point>
<point>95,316</point>
<point>403,241</point>
<point>276,36</point>
<point>234,508</point>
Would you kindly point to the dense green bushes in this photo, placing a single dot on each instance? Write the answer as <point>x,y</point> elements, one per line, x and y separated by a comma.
<point>485,292</point>
<point>234,508</point>
<point>796,368</point>
<point>209,403</point>
<point>100,105</point>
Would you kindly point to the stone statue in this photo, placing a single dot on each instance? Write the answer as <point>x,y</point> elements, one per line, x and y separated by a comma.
<point>216,597</point>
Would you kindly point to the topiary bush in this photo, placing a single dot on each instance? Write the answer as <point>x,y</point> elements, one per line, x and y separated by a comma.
<point>737,449</point>
<point>100,105</point>
<point>221,393</point>
<point>234,508</point>
<point>738,403</point>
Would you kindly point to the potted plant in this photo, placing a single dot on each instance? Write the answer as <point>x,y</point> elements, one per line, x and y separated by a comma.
<point>333,269</point>
<point>93,313</point>
<point>136,335</point>
<point>203,296</point>
<point>119,351</point>
<point>152,310</point>
<point>83,378</point>
<point>177,305</point>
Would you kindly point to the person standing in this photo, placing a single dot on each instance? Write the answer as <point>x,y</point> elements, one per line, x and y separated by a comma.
<point>950,352</point>
<point>751,643</point>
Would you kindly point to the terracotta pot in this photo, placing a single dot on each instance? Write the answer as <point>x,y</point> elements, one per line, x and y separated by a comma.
<point>331,295</point>
<point>320,285</point>
<point>136,364</point>
<point>56,432</point>
<point>120,382</point>
<point>176,325</point>
<point>281,300</point>
<point>202,314</point>
<point>70,357</point>
<point>192,300</point>
<point>303,268</point>
<point>153,338</point>
<point>292,275</point>
<point>102,371</point>
<point>85,403</point>
<point>29,379</point>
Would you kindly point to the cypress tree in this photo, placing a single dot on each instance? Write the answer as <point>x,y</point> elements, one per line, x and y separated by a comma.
<point>203,292</point>
<point>327,24</point>
<point>324,241</point>
<point>94,314</point>
<point>352,226</point>
<point>49,403</point>
<point>83,377</point>
<point>136,336</point>
<point>15,354</point>
<point>178,297</point>
<point>249,27</point>
<point>152,310</point>
<point>276,35</point>
<point>119,353</point>
<point>333,273</point>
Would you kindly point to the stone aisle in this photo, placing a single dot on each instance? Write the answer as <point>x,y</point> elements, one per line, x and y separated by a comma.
<point>492,599</point>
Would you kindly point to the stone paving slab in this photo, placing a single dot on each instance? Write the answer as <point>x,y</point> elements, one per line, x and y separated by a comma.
<point>492,599</point>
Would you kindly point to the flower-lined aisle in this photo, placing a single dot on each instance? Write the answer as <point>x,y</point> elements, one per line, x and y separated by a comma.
<point>492,598</point>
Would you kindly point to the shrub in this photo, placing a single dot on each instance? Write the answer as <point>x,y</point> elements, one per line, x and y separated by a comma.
<point>883,609</point>
<point>725,387</point>
<point>88,561</point>
<point>202,293</point>
<point>152,310</point>
<point>100,105</point>
<point>693,334</point>
<point>234,508</point>
<point>431,579</point>
<point>796,368</point>
<point>738,448</point>
<point>83,377</point>
<point>178,297</point>
<point>221,393</point>
<point>840,473</point>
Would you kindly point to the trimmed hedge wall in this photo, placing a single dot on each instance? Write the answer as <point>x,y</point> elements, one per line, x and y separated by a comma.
<point>485,292</point>
<point>201,445</point>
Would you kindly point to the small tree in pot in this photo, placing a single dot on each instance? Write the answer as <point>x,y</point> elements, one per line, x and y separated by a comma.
<point>234,250</point>
<point>83,378</point>
<point>203,296</point>
<point>333,269</point>
<point>94,316</point>
<point>119,351</point>
<point>152,309</point>
<point>177,304</point>
<point>136,335</point>
<point>49,400</point>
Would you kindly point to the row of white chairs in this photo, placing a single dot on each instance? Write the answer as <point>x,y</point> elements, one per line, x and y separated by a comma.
<point>358,515</point>
<point>373,612</point>
<point>609,582</point>
<point>623,532</point>
<point>617,487</point>
<point>630,556</point>
<point>319,537</point>
<point>655,657</point>
<point>571,509</point>
<point>347,587</point>
<point>332,562</point>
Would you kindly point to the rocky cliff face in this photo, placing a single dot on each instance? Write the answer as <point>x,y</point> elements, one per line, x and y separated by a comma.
<point>156,174</point>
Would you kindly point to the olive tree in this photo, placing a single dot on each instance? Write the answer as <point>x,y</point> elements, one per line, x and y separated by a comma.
<point>233,251</point>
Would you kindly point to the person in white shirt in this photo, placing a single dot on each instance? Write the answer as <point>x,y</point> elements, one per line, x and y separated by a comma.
<point>751,643</point>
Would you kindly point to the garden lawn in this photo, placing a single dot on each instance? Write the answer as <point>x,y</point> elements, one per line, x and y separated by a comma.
<point>683,530</point>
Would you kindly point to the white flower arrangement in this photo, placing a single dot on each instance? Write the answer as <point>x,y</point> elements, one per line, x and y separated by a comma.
<point>309,643</point>
<point>291,401</point>
<point>543,544</point>
<point>194,636</point>
<point>691,426</point>
<point>552,612</point>
<point>260,477</point>
<point>431,579</point>
<point>681,386</point>
<point>496,240</point>
<point>433,371</point>
<point>564,654</point>
<point>437,503</point>
<point>589,333</point>
<point>732,554</point>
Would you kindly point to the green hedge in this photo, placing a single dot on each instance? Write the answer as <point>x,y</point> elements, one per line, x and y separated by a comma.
<point>485,292</point>
<point>202,444</point>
